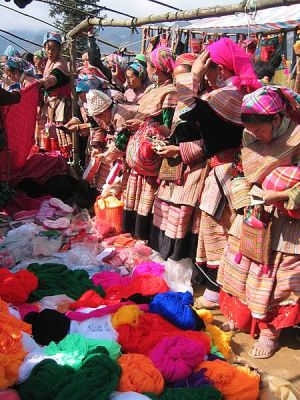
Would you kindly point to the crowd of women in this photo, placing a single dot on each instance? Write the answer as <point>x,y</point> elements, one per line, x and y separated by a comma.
<point>210,165</point>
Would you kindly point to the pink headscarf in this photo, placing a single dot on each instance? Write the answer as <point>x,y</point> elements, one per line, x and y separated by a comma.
<point>231,56</point>
<point>162,59</point>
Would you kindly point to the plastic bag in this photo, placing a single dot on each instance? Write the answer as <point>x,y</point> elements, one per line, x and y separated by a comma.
<point>178,275</point>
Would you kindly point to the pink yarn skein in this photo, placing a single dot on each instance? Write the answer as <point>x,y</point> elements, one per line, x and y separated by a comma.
<point>177,356</point>
<point>149,267</point>
<point>107,279</point>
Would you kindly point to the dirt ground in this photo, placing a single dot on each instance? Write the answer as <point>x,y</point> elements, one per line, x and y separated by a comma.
<point>284,364</point>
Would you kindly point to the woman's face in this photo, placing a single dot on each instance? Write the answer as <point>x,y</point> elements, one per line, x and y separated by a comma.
<point>133,81</point>
<point>263,131</point>
<point>212,75</point>
<point>52,50</point>
<point>151,71</point>
<point>13,74</point>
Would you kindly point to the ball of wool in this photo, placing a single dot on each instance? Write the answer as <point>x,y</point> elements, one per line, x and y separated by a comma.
<point>177,356</point>
<point>97,379</point>
<point>138,340</point>
<point>139,374</point>
<point>15,288</point>
<point>56,279</point>
<point>48,325</point>
<point>149,267</point>
<point>196,379</point>
<point>46,380</point>
<point>107,279</point>
<point>126,315</point>
<point>89,299</point>
<point>9,394</point>
<point>232,381</point>
<point>26,308</point>
<point>128,396</point>
<point>203,393</point>
<point>176,308</point>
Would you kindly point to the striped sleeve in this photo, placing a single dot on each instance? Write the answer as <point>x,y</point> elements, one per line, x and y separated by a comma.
<point>187,89</point>
<point>191,151</point>
<point>294,197</point>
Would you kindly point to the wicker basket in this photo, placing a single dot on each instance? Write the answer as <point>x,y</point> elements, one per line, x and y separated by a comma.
<point>109,213</point>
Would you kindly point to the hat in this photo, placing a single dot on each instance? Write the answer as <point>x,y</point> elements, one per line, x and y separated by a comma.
<point>97,102</point>
<point>54,36</point>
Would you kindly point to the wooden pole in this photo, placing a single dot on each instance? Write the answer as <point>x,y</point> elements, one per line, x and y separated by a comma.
<point>75,135</point>
<point>198,13</point>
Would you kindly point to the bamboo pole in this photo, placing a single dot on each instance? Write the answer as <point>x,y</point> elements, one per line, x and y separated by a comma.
<point>198,13</point>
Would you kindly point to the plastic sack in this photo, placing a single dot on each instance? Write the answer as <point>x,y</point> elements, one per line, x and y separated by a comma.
<point>178,275</point>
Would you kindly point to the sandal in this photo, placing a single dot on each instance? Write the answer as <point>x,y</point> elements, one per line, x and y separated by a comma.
<point>264,348</point>
<point>228,327</point>
<point>58,204</point>
<point>201,303</point>
<point>58,224</point>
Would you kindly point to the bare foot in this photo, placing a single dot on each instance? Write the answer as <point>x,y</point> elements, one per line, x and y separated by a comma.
<point>264,348</point>
<point>201,302</point>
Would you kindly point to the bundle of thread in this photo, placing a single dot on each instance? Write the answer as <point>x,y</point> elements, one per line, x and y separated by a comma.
<point>48,325</point>
<point>128,396</point>
<point>234,382</point>
<point>203,393</point>
<point>12,352</point>
<point>177,308</point>
<point>149,267</point>
<point>9,394</point>
<point>58,279</point>
<point>89,299</point>
<point>97,378</point>
<point>129,315</point>
<point>177,356</point>
<point>139,374</point>
<point>16,288</point>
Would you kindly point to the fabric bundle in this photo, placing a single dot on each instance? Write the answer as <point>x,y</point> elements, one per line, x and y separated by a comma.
<point>177,356</point>
<point>58,279</point>
<point>16,288</point>
<point>139,374</point>
<point>126,315</point>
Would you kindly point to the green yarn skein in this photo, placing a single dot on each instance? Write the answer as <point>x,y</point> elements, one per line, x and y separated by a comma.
<point>58,279</point>
<point>201,393</point>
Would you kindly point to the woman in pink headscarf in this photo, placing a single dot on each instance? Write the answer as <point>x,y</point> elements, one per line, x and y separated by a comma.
<point>260,278</point>
<point>154,118</point>
<point>214,120</point>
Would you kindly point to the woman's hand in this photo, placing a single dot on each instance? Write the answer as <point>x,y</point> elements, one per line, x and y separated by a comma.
<point>133,124</point>
<point>73,121</point>
<point>168,151</point>
<point>201,65</point>
<point>271,197</point>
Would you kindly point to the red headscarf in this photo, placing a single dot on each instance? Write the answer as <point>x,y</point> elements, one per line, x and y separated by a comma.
<point>231,56</point>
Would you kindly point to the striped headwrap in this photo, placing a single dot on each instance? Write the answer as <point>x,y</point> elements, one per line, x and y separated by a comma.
<point>186,59</point>
<point>20,64</point>
<point>270,100</point>
<point>162,58</point>
<point>86,82</point>
<point>139,68</point>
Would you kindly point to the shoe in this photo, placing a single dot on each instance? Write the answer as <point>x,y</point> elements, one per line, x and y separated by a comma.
<point>59,204</point>
<point>58,224</point>
<point>201,302</point>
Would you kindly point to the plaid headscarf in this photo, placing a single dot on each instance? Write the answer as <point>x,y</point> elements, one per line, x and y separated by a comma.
<point>20,64</point>
<point>54,36</point>
<point>270,100</point>
<point>231,56</point>
<point>86,82</point>
<point>162,58</point>
<point>97,102</point>
<point>139,68</point>
<point>186,59</point>
<point>10,51</point>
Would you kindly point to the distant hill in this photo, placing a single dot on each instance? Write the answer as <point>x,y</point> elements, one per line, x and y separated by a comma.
<point>116,36</point>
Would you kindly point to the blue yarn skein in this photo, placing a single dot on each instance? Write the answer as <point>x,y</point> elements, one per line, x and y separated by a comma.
<point>176,308</point>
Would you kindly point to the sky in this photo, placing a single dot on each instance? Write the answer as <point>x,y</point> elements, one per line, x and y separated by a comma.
<point>13,22</point>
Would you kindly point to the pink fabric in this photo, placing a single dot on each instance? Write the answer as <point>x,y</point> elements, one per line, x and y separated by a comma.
<point>177,356</point>
<point>23,202</point>
<point>41,167</point>
<point>19,123</point>
<point>231,56</point>
<point>107,279</point>
<point>101,312</point>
